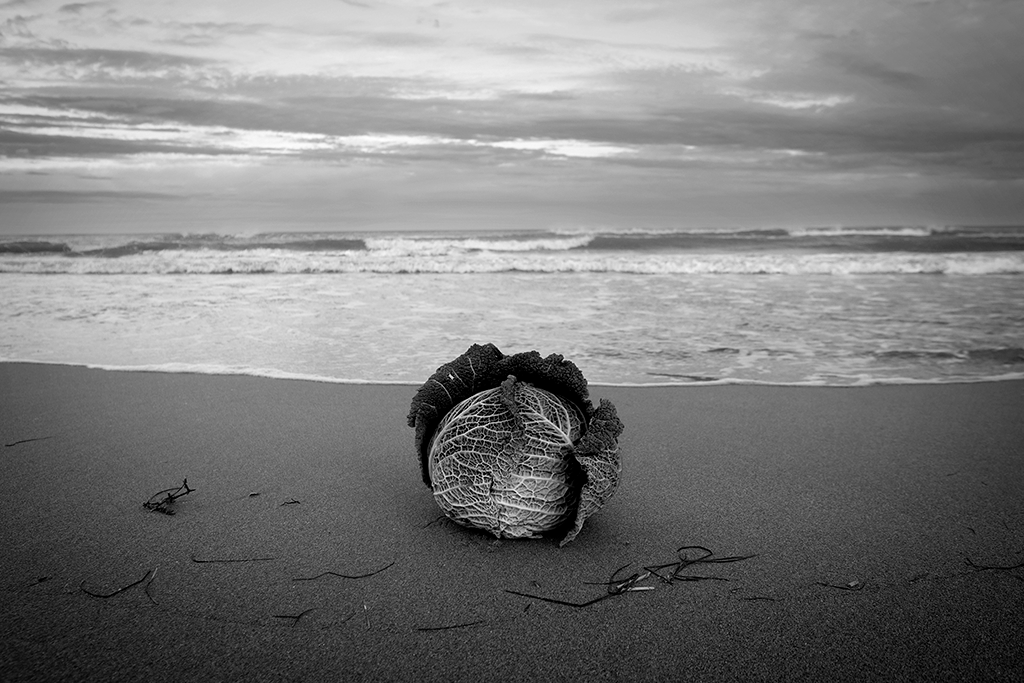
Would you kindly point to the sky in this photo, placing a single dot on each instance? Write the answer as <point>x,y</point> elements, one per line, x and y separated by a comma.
<point>238,116</point>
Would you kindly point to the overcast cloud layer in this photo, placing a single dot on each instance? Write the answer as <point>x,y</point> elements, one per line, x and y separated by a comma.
<point>129,115</point>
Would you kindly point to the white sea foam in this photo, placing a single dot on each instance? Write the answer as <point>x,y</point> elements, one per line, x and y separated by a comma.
<point>853,383</point>
<point>437,257</point>
<point>836,231</point>
<point>209,369</point>
<point>270,373</point>
<point>405,246</point>
<point>673,308</point>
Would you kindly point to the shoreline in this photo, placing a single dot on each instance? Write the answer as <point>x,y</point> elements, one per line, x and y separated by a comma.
<point>184,369</point>
<point>884,524</point>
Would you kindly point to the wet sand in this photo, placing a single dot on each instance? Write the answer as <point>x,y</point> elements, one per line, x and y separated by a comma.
<point>885,523</point>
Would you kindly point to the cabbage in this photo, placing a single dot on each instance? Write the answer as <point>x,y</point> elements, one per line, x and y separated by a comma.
<point>513,445</point>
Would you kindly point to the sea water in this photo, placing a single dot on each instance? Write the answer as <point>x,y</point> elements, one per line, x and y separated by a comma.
<point>814,306</point>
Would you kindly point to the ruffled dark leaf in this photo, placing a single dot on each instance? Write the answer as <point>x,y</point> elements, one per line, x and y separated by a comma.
<point>484,367</point>
<point>598,455</point>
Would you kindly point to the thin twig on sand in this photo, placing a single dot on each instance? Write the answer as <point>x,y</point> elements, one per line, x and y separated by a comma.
<point>851,586</point>
<point>223,560</point>
<point>992,567</point>
<point>453,626</point>
<point>104,596</point>
<point>21,441</point>
<point>294,617</point>
<point>148,584</point>
<point>344,576</point>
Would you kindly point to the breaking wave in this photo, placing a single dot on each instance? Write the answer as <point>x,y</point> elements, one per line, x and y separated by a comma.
<point>793,251</point>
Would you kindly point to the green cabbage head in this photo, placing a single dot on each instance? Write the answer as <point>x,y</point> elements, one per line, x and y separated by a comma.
<point>513,445</point>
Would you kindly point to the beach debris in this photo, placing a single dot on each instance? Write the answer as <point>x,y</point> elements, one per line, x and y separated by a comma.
<point>254,494</point>
<point>224,560</point>
<point>439,518</point>
<point>664,573</point>
<point>148,584</point>
<point>452,626</point>
<point>147,575</point>
<point>290,501</point>
<point>849,586</point>
<point>703,556</point>
<point>158,504</point>
<point>991,567</point>
<point>751,598</point>
<point>543,458</point>
<point>344,576</point>
<point>21,441</point>
<point>294,617</point>
<point>614,587</point>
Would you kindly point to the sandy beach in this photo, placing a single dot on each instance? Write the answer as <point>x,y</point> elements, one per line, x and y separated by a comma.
<point>885,527</point>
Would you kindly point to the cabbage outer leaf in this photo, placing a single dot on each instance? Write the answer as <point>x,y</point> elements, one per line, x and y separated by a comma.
<point>598,455</point>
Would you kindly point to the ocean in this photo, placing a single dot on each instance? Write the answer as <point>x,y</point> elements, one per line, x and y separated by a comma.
<point>798,306</point>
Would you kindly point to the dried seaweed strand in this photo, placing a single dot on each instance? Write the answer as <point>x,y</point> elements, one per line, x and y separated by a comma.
<point>991,567</point>
<point>38,438</point>
<point>852,586</point>
<point>448,628</point>
<point>555,601</point>
<point>709,556</point>
<point>294,617</point>
<point>148,584</point>
<point>85,590</point>
<point>172,494</point>
<point>231,559</point>
<point>617,586</point>
<point>343,576</point>
<point>684,562</point>
<point>439,518</point>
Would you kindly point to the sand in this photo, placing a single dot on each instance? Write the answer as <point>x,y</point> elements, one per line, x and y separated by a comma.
<point>864,508</point>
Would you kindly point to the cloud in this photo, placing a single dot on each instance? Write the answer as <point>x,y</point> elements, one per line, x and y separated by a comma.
<point>77,196</point>
<point>134,60</point>
<point>790,100</point>
<point>78,7</point>
<point>207,33</point>
<point>873,70</point>
<point>582,149</point>
<point>598,96</point>
<point>72,129</point>
<point>28,67</point>
<point>16,28</point>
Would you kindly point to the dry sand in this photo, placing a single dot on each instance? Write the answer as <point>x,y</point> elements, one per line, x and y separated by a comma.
<point>863,507</point>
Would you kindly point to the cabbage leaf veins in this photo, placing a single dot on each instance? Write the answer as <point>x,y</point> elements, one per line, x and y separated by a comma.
<point>513,445</point>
